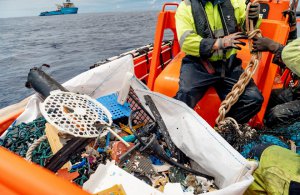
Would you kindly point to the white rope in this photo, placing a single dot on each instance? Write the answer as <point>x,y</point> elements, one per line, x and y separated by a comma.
<point>35,144</point>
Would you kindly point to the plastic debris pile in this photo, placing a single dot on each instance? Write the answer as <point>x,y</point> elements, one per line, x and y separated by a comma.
<point>19,138</point>
<point>286,137</point>
<point>150,154</point>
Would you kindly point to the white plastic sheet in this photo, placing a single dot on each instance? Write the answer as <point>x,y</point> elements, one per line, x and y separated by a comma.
<point>108,175</point>
<point>188,130</point>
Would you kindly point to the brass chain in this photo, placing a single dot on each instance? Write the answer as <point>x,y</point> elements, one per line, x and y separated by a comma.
<point>245,77</point>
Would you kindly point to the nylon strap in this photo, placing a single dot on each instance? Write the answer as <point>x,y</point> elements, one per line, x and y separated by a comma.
<point>228,19</point>
<point>200,19</point>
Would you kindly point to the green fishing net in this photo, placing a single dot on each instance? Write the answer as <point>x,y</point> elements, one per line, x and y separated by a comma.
<point>19,138</point>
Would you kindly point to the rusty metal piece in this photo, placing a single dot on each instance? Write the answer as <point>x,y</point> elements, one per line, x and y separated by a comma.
<point>119,148</point>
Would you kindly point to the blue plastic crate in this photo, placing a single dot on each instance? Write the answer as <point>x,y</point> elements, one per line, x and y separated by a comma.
<point>117,110</point>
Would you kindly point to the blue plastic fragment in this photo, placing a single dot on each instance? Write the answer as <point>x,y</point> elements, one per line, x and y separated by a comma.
<point>155,161</point>
<point>168,152</point>
<point>101,150</point>
<point>117,110</point>
<point>129,138</point>
<point>107,140</point>
<point>79,165</point>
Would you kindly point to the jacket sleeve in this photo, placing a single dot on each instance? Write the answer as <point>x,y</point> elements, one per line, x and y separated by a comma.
<point>290,56</point>
<point>191,43</point>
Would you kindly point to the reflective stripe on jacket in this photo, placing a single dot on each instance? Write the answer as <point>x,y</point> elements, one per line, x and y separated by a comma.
<point>291,56</point>
<point>186,30</point>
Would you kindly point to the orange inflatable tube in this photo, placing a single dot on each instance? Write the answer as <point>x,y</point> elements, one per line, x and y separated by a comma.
<point>21,177</point>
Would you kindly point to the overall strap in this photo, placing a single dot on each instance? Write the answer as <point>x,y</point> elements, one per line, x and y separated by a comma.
<point>200,18</point>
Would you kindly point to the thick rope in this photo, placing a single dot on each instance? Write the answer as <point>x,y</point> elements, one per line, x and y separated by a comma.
<point>35,144</point>
<point>245,77</point>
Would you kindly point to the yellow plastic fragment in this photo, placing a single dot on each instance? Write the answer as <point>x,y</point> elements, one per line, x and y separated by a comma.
<point>127,129</point>
<point>54,141</point>
<point>160,182</point>
<point>114,190</point>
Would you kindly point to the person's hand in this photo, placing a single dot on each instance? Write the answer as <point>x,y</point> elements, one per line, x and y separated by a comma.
<point>265,44</point>
<point>231,41</point>
<point>292,17</point>
<point>254,11</point>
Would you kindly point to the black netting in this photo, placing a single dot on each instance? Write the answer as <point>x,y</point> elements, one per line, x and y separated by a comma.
<point>141,115</point>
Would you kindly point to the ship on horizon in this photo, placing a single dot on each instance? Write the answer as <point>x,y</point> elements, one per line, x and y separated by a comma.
<point>67,8</point>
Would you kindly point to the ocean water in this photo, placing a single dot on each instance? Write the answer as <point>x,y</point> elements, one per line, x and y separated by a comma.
<point>69,43</point>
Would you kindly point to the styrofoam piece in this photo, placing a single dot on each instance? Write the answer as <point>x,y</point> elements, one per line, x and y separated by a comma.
<point>75,114</point>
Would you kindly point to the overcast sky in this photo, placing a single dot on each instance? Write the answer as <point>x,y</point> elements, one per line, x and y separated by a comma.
<point>19,8</point>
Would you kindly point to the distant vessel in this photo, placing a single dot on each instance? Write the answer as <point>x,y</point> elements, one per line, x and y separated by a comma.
<point>66,8</point>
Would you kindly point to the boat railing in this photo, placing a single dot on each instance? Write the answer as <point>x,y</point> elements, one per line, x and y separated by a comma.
<point>166,20</point>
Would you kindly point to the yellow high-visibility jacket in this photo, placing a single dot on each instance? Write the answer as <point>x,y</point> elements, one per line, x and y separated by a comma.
<point>277,168</point>
<point>190,41</point>
<point>291,56</point>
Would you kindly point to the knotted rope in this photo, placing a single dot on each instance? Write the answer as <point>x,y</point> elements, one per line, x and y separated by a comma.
<point>245,77</point>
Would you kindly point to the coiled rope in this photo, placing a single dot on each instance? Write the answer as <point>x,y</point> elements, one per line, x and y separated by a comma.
<point>35,144</point>
<point>245,77</point>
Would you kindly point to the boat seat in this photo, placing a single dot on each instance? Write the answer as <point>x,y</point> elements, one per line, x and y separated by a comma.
<point>167,82</point>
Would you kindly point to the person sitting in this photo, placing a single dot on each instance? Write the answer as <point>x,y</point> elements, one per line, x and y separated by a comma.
<point>284,104</point>
<point>208,33</point>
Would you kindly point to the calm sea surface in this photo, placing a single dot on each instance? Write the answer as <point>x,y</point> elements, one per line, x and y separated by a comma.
<point>69,43</point>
